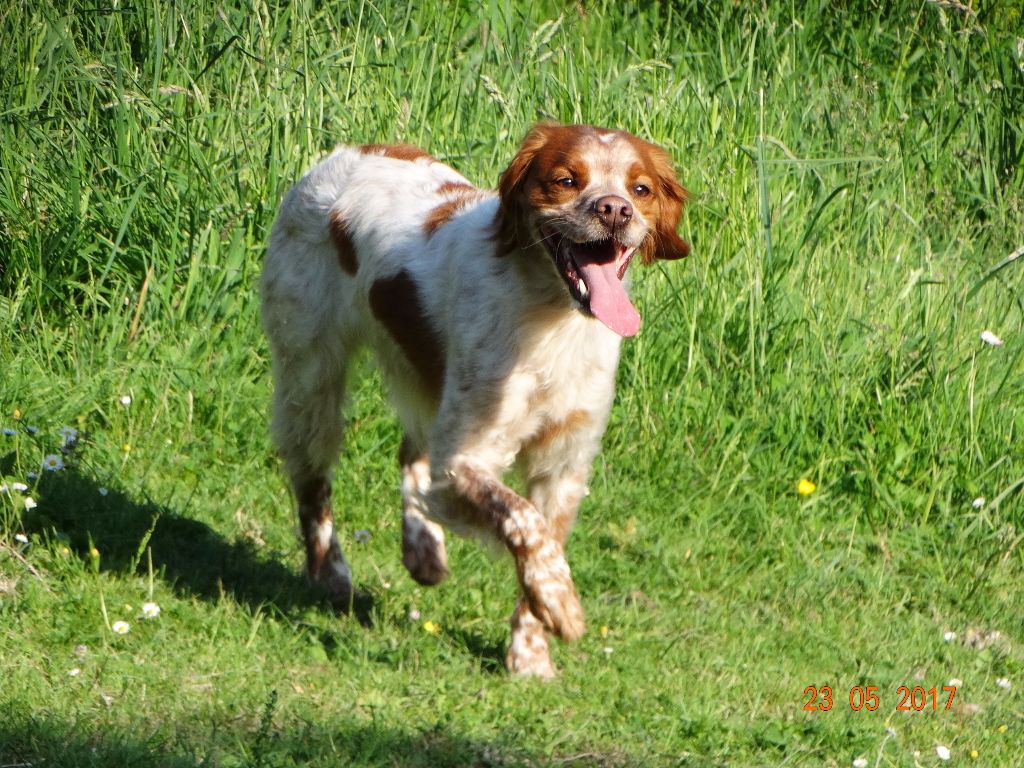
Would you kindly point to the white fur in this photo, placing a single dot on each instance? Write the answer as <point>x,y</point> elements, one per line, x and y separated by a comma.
<point>528,376</point>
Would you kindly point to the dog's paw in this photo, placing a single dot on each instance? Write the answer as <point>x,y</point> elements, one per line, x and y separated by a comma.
<point>334,578</point>
<point>423,552</point>
<point>548,588</point>
<point>530,664</point>
<point>528,652</point>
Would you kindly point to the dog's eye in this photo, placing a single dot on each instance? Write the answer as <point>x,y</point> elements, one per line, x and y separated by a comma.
<point>641,190</point>
<point>568,182</point>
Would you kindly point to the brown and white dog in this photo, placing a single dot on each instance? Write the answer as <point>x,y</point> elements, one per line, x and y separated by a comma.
<point>495,318</point>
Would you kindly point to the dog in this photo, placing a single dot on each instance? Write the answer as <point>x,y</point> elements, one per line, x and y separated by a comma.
<point>496,319</point>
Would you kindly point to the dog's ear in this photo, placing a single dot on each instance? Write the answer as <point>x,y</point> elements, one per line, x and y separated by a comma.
<point>664,242</point>
<point>510,186</point>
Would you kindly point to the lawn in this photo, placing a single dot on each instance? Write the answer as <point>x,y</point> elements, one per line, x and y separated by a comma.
<point>852,316</point>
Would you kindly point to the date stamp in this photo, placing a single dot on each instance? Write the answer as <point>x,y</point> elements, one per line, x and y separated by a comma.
<point>867,697</point>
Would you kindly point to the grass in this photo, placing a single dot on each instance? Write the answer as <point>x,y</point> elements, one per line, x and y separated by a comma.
<point>857,217</point>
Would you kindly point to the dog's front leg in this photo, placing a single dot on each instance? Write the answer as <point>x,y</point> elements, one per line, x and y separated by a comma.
<point>544,578</point>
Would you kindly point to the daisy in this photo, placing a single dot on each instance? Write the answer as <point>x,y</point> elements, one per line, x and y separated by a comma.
<point>949,637</point>
<point>120,627</point>
<point>978,503</point>
<point>1003,683</point>
<point>150,610</point>
<point>31,429</point>
<point>362,536</point>
<point>19,487</point>
<point>31,475</point>
<point>74,672</point>
<point>70,435</point>
<point>125,400</point>
<point>942,752</point>
<point>414,615</point>
<point>52,462</point>
<point>860,762</point>
<point>10,432</point>
<point>30,503</point>
<point>102,491</point>
<point>991,339</point>
<point>21,538</point>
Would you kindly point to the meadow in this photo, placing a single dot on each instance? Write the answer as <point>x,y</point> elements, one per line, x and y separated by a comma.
<point>851,317</point>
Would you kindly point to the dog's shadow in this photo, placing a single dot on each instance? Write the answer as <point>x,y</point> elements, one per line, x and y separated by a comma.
<point>133,535</point>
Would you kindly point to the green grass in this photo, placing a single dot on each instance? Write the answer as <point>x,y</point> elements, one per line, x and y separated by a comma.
<point>857,195</point>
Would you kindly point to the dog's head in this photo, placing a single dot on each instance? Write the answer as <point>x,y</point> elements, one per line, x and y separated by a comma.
<point>594,198</point>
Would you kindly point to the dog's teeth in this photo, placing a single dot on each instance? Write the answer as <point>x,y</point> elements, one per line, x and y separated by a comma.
<point>582,288</point>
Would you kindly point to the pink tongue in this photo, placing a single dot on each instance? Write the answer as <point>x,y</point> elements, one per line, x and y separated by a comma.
<point>608,300</point>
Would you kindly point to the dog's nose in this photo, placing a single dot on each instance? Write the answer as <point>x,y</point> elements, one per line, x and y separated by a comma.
<point>613,211</point>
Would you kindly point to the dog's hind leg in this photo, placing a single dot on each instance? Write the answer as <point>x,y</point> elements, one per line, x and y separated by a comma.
<point>423,551</point>
<point>308,429</point>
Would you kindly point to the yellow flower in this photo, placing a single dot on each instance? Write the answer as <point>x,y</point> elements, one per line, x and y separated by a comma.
<point>805,487</point>
<point>604,631</point>
<point>1001,729</point>
<point>126,448</point>
<point>93,552</point>
<point>974,754</point>
<point>16,413</point>
<point>431,627</point>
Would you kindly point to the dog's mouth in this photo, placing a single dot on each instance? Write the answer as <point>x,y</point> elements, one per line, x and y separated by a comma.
<point>593,272</point>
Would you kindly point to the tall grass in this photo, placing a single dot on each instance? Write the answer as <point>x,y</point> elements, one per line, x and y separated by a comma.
<point>857,215</point>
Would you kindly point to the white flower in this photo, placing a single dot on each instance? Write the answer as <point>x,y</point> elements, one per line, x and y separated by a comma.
<point>608,650</point>
<point>102,491</point>
<point>150,610</point>
<point>949,637</point>
<point>955,682</point>
<point>362,535</point>
<point>978,503</point>
<point>125,399</point>
<point>81,650</point>
<point>10,432</point>
<point>21,538</point>
<point>942,752</point>
<point>52,462</point>
<point>30,503</point>
<point>74,672</point>
<point>860,762</point>
<point>991,339</point>
<point>120,627</point>
<point>31,475</point>
<point>19,487</point>
<point>1003,683</point>
<point>70,435</point>
<point>414,615</point>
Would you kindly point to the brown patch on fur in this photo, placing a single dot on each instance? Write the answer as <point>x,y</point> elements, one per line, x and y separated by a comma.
<point>408,152</point>
<point>314,497</point>
<point>458,195</point>
<point>457,187</point>
<point>666,206</point>
<point>343,243</point>
<point>557,429</point>
<point>440,215</point>
<point>396,303</point>
<point>546,151</point>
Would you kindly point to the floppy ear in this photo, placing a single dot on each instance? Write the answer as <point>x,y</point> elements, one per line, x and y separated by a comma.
<point>664,242</point>
<point>510,186</point>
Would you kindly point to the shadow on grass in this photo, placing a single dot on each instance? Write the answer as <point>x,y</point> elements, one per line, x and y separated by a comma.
<point>43,740</point>
<point>193,557</point>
